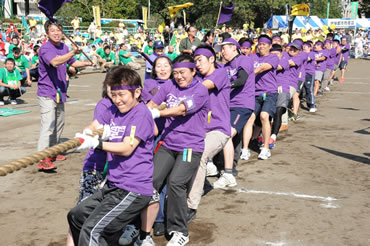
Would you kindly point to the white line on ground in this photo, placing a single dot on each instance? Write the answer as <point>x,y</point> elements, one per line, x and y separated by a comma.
<point>328,199</point>
<point>91,104</point>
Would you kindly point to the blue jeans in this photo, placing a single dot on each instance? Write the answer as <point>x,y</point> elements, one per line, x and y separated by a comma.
<point>13,94</point>
<point>35,73</point>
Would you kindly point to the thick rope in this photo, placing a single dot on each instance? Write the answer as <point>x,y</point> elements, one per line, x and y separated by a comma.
<point>41,155</point>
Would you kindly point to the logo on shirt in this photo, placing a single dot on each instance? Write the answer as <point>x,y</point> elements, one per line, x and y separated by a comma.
<point>257,64</point>
<point>318,55</point>
<point>116,132</point>
<point>231,72</point>
<point>173,101</point>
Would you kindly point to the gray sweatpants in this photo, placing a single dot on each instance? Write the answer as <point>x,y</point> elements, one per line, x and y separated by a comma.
<point>52,122</point>
<point>325,79</point>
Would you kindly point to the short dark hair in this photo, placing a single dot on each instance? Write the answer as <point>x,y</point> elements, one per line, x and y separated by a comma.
<point>49,23</point>
<point>244,39</point>
<point>106,47</point>
<point>16,50</point>
<point>122,75</point>
<point>208,47</point>
<point>154,74</point>
<point>184,58</point>
<point>276,47</point>
<point>10,60</point>
<point>36,47</point>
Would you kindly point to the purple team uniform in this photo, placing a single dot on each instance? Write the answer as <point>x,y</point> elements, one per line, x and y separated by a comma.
<point>219,101</point>
<point>52,78</point>
<point>266,85</point>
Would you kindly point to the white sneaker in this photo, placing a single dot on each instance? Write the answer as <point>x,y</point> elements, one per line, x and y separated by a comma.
<point>128,235</point>
<point>264,154</point>
<point>148,241</point>
<point>246,154</point>
<point>2,103</point>
<point>178,239</point>
<point>327,88</point>
<point>313,110</point>
<point>13,102</point>
<point>211,169</point>
<point>226,180</point>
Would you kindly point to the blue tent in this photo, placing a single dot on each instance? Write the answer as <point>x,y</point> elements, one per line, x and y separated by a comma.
<point>281,21</point>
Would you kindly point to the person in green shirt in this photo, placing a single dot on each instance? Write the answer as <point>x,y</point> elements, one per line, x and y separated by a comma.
<point>108,59</point>
<point>126,58</point>
<point>149,48</point>
<point>14,43</point>
<point>22,64</point>
<point>10,82</point>
<point>34,69</point>
<point>171,52</point>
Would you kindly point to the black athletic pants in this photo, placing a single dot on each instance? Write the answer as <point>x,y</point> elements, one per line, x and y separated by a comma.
<point>100,218</point>
<point>180,171</point>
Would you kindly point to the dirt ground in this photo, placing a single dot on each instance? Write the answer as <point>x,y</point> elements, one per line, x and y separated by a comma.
<point>313,191</point>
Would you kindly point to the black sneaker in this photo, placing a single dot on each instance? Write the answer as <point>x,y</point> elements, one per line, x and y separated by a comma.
<point>158,229</point>
<point>192,214</point>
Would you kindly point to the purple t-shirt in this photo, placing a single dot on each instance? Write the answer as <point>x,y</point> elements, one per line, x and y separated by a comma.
<point>266,81</point>
<point>282,76</point>
<point>321,65</point>
<point>95,159</point>
<point>218,117</point>
<point>135,172</point>
<point>243,96</point>
<point>151,86</point>
<point>338,57</point>
<point>331,60</point>
<point>302,70</point>
<point>188,131</point>
<point>52,78</point>
<point>309,64</point>
<point>345,53</point>
<point>295,72</point>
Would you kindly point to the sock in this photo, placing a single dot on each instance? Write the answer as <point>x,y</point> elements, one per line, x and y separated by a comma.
<point>143,234</point>
<point>228,170</point>
<point>273,136</point>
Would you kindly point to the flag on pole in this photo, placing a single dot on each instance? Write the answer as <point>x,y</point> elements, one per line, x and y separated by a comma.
<point>300,10</point>
<point>145,17</point>
<point>176,8</point>
<point>226,14</point>
<point>25,24</point>
<point>49,8</point>
<point>327,11</point>
<point>173,40</point>
<point>354,9</point>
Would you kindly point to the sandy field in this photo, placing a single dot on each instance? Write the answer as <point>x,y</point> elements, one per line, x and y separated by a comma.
<point>315,190</point>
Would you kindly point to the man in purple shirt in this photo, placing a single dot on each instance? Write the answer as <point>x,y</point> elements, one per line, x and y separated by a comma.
<point>240,72</point>
<point>52,89</point>
<point>265,65</point>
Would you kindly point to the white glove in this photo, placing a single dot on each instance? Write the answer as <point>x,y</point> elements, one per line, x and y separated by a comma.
<point>88,141</point>
<point>106,134</point>
<point>87,131</point>
<point>155,113</point>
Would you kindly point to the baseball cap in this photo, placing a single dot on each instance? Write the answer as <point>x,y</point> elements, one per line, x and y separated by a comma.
<point>227,41</point>
<point>296,45</point>
<point>158,44</point>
